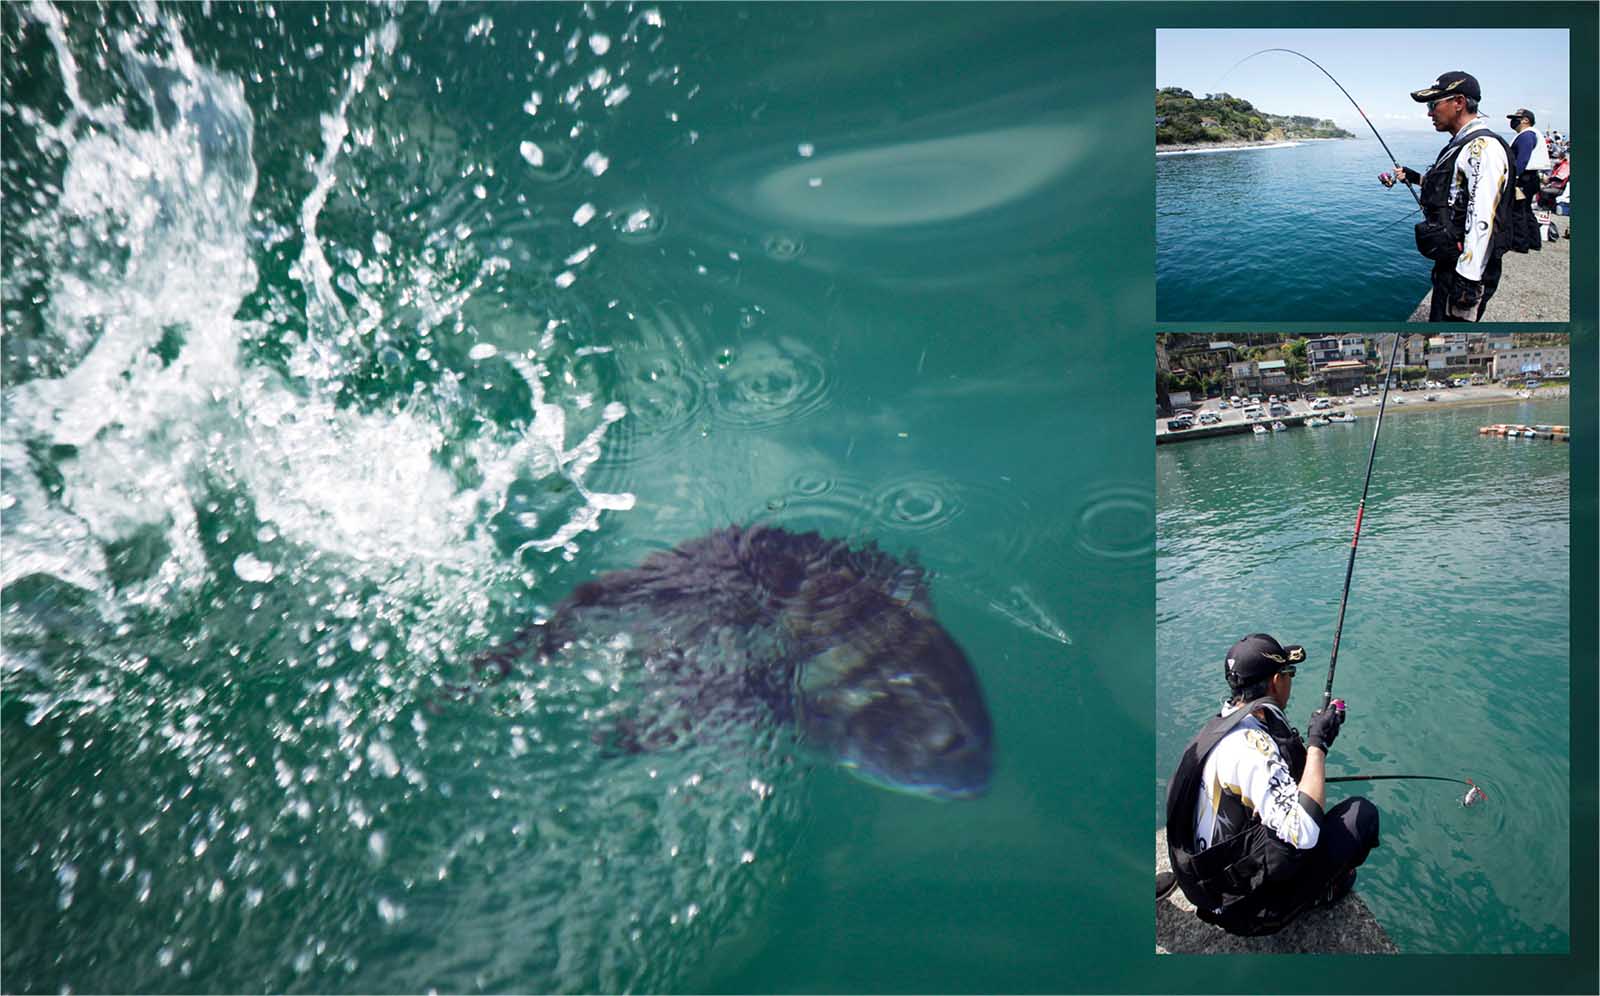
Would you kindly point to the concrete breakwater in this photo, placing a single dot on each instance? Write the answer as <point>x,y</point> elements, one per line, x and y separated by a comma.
<point>1346,927</point>
<point>1230,428</point>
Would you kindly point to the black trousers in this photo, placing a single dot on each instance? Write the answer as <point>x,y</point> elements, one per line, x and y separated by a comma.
<point>1444,275</point>
<point>1349,833</point>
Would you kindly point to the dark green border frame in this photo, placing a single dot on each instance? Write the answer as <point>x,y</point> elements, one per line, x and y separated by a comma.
<point>1579,970</point>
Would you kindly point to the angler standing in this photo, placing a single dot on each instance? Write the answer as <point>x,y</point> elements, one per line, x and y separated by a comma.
<point>1532,162</point>
<point>1250,844</point>
<point>1467,200</point>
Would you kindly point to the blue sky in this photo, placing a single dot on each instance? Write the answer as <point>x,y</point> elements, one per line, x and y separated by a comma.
<point>1516,68</point>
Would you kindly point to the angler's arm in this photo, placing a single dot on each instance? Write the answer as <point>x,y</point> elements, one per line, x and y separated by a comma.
<point>1484,164</point>
<point>1284,807</point>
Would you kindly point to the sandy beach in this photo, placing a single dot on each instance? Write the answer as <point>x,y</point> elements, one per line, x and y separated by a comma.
<point>1265,143</point>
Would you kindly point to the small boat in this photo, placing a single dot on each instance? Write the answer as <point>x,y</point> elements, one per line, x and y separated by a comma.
<point>1341,417</point>
<point>1430,397</point>
<point>1399,401</point>
<point>1315,421</point>
<point>1278,427</point>
<point>1259,429</point>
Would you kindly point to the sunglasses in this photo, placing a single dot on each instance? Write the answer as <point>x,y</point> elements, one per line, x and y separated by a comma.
<point>1435,103</point>
<point>1288,672</point>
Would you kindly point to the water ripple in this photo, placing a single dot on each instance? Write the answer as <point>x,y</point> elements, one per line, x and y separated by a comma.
<point>1117,522</point>
<point>771,382</point>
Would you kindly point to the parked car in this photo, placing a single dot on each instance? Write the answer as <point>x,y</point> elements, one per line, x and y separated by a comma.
<point>1321,403</point>
<point>1209,418</point>
<point>1179,424</point>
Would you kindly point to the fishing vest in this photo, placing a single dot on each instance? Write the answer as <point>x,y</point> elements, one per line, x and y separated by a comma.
<point>1224,880</point>
<point>1443,227</point>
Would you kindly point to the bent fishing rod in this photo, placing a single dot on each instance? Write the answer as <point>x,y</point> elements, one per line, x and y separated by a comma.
<point>1347,96</point>
<point>1350,567</point>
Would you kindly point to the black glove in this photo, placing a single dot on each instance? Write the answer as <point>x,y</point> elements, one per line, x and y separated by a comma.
<point>1464,294</point>
<point>1324,727</point>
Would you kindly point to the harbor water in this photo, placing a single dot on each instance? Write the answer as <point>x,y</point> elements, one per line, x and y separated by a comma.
<point>1454,657</point>
<point>344,341</point>
<point>1303,233</point>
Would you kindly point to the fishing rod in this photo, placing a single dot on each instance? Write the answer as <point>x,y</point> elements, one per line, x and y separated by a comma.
<point>1344,599</point>
<point>1404,217</point>
<point>1475,792</point>
<point>1347,96</point>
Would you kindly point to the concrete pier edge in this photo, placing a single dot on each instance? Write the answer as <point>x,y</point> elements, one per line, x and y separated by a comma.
<point>1534,286</point>
<point>1346,927</point>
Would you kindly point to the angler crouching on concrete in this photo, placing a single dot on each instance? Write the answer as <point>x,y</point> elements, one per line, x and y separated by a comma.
<point>1250,844</point>
<point>1467,201</point>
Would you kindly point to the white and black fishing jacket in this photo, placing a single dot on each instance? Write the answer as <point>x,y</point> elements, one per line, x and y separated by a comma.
<point>1246,775</point>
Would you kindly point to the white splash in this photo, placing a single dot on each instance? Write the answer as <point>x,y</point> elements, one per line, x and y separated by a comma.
<point>155,437</point>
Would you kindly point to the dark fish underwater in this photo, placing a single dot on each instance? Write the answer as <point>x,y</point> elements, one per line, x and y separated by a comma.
<point>760,625</point>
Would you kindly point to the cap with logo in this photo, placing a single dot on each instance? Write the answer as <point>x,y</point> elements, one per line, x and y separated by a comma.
<point>1452,84</point>
<point>1521,112</point>
<point>1258,656</point>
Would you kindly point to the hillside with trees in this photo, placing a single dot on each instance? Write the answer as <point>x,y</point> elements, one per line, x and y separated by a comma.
<point>1184,119</point>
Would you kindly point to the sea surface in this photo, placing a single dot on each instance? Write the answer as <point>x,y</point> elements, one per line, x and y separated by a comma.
<point>341,342</point>
<point>1304,233</point>
<point>1454,659</point>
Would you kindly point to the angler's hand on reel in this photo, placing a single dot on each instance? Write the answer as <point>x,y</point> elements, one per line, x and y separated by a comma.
<point>1401,174</point>
<point>1324,725</point>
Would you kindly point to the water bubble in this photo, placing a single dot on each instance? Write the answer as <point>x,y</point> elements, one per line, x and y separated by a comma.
<point>483,351</point>
<point>638,222</point>
<point>806,150</point>
<point>595,163</point>
<point>583,215</point>
<point>599,44</point>
<point>251,568</point>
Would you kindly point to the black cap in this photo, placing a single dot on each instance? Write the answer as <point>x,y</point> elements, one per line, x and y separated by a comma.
<point>1258,656</point>
<point>1521,112</point>
<point>1452,84</point>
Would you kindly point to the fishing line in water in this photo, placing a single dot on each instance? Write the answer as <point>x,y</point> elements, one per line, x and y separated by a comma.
<point>1404,217</point>
<point>1342,90</point>
<point>1474,794</point>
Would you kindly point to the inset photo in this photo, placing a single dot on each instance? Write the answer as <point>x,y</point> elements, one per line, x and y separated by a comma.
<point>1394,175</point>
<point>1363,643</point>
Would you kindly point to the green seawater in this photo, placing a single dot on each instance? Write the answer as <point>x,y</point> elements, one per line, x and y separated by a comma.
<point>341,342</point>
<point>1454,657</point>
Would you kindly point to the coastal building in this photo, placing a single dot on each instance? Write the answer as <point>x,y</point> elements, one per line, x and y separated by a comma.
<point>1274,374</point>
<point>1520,360</point>
<point>1447,353</point>
<point>1203,358</point>
<point>1342,376</point>
<point>1245,377</point>
<point>1334,348</point>
<point>1416,350</point>
<point>1208,122</point>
